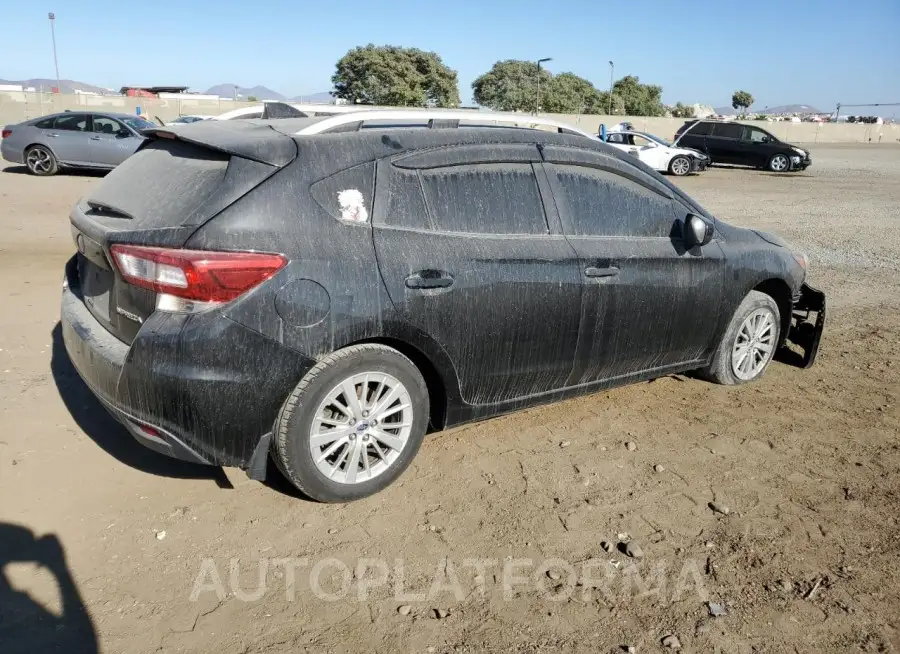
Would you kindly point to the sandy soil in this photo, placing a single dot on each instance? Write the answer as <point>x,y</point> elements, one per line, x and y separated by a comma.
<point>105,545</point>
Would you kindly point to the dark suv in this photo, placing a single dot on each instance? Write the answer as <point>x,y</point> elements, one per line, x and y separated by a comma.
<point>241,290</point>
<point>744,145</point>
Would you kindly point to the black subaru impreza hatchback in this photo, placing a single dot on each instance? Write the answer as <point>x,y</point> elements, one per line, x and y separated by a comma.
<point>251,289</point>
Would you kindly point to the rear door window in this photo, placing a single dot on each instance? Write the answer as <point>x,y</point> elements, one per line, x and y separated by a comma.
<point>598,202</point>
<point>728,130</point>
<point>487,198</point>
<point>498,198</point>
<point>72,122</point>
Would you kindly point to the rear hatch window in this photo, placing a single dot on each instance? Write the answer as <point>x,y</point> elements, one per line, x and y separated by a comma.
<point>157,197</point>
<point>165,179</point>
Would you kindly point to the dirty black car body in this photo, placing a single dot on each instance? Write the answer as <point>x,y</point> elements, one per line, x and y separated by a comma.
<point>489,270</point>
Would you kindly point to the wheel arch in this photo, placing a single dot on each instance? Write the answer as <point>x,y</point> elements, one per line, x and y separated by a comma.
<point>43,145</point>
<point>440,389</point>
<point>780,291</point>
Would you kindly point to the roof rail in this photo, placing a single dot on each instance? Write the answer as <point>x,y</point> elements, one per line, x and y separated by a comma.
<point>438,118</point>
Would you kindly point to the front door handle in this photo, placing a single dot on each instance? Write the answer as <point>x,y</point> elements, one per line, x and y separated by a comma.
<point>592,271</point>
<point>429,279</point>
<point>95,138</point>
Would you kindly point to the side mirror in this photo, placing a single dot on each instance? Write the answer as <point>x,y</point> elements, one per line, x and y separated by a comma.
<point>697,232</point>
<point>123,133</point>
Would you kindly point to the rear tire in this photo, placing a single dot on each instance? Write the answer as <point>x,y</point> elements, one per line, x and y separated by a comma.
<point>338,447</point>
<point>754,332</point>
<point>41,161</point>
<point>680,166</point>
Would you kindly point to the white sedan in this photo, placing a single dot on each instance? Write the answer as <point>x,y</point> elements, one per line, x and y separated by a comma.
<point>658,153</point>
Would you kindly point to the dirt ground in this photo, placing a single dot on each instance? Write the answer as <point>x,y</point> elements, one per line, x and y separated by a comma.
<point>107,546</point>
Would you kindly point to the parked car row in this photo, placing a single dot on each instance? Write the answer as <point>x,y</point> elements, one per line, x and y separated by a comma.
<point>324,290</point>
<point>701,143</point>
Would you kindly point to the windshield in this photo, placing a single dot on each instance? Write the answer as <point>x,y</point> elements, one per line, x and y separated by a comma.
<point>659,140</point>
<point>134,122</point>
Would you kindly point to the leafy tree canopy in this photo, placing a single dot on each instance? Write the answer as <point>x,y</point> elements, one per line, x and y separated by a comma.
<point>395,76</point>
<point>640,99</point>
<point>741,100</point>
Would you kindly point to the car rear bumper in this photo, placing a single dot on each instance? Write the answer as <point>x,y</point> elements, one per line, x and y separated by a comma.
<point>201,388</point>
<point>807,325</point>
<point>10,153</point>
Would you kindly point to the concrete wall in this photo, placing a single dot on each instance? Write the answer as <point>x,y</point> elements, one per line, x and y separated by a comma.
<point>18,106</point>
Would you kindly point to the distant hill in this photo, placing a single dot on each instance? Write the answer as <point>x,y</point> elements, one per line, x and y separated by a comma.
<point>68,85</point>
<point>781,109</point>
<point>232,90</point>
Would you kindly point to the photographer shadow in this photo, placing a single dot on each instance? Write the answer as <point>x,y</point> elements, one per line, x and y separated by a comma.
<point>27,626</point>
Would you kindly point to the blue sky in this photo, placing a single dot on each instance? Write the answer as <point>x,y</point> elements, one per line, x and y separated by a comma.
<point>782,51</point>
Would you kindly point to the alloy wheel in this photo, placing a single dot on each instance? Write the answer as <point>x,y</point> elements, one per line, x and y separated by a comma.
<point>39,161</point>
<point>779,163</point>
<point>361,427</point>
<point>681,166</point>
<point>754,344</point>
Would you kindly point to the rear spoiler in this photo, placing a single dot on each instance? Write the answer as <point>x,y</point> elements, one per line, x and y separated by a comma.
<point>281,110</point>
<point>237,138</point>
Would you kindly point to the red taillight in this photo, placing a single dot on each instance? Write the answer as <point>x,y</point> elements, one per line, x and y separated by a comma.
<point>199,275</point>
<point>5,133</point>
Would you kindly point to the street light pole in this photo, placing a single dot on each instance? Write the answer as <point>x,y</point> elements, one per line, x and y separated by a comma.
<point>52,18</point>
<point>611,69</point>
<point>537,105</point>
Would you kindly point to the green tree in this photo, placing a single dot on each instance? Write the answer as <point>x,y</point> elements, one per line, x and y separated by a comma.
<point>567,93</point>
<point>640,99</point>
<point>682,110</point>
<point>512,85</point>
<point>741,100</point>
<point>251,98</point>
<point>391,75</point>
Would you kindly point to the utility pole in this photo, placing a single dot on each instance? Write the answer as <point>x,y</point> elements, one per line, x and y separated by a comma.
<point>612,68</point>
<point>52,18</point>
<point>537,102</point>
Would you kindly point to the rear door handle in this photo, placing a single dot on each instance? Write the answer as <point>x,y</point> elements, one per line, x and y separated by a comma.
<point>52,136</point>
<point>429,279</point>
<point>592,271</point>
<point>95,138</point>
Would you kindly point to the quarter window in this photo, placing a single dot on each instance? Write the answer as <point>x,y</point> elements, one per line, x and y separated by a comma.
<point>600,203</point>
<point>701,129</point>
<point>47,123</point>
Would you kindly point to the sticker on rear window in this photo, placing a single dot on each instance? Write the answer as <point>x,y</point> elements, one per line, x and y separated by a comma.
<point>353,206</point>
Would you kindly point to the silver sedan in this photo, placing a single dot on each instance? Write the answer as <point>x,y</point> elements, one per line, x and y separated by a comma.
<point>73,140</point>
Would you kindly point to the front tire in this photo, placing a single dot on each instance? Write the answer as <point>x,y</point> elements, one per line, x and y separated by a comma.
<point>680,166</point>
<point>41,161</point>
<point>749,343</point>
<point>353,424</point>
<point>779,163</point>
